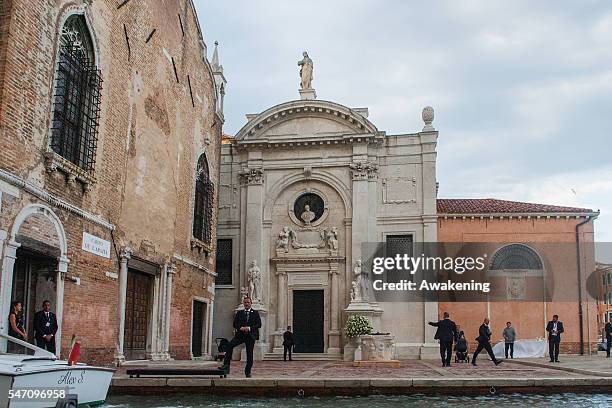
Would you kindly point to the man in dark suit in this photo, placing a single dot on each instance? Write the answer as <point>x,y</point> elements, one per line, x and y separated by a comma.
<point>247,324</point>
<point>446,333</point>
<point>484,342</point>
<point>608,330</point>
<point>45,327</point>
<point>288,343</point>
<point>554,329</point>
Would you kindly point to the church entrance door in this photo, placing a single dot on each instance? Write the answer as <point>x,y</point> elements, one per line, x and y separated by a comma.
<point>308,321</point>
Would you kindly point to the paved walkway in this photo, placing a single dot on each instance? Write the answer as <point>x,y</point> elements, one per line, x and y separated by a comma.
<point>531,368</point>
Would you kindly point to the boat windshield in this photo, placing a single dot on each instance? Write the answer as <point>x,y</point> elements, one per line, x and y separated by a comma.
<point>12,345</point>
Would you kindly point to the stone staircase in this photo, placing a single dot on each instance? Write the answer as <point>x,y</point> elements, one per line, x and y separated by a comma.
<point>304,357</point>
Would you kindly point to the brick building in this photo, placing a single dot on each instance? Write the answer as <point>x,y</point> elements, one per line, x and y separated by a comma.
<point>534,243</point>
<point>110,127</point>
<point>604,301</point>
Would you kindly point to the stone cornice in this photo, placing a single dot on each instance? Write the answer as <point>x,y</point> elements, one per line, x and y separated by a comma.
<point>352,118</point>
<point>265,142</point>
<point>51,199</point>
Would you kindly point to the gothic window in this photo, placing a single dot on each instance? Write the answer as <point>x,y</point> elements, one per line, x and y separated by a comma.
<point>76,101</point>
<point>203,206</point>
<point>516,256</point>
<point>224,262</point>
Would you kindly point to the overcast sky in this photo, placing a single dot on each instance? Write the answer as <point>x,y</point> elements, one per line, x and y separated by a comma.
<point>522,90</point>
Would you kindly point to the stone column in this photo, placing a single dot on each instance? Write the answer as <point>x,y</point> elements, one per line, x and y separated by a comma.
<point>253,178</point>
<point>6,285</point>
<point>334,333</point>
<point>62,269</point>
<point>170,272</point>
<point>124,257</point>
<point>282,300</point>
<point>360,220</point>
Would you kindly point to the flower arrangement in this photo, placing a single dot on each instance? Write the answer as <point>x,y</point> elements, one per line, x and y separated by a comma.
<point>358,325</point>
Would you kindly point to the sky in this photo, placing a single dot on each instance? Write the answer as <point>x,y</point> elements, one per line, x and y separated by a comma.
<point>522,90</point>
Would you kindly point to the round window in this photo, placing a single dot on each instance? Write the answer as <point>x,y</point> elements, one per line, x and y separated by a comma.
<point>308,208</point>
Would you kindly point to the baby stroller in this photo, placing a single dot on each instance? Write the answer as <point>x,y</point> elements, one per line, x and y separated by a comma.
<point>221,348</point>
<point>461,351</point>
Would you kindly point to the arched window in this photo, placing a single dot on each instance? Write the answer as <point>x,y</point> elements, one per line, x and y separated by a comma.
<point>516,256</point>
<point>76,103</point>
<point>204,201</point>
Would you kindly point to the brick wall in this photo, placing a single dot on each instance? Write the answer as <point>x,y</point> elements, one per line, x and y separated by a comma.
<point>151,133</point>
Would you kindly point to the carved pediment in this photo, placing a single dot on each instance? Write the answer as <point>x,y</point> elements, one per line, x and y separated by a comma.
<point>306,118</point>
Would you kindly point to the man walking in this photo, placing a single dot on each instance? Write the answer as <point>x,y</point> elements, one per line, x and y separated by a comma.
<point>608,330</point>
<point>45,327</point>
<point>288,343</point>
<point>247,324</point>
<point>446,333</point>
<point>554,329</point>
<point>484,342</point>
<point>509,338</point>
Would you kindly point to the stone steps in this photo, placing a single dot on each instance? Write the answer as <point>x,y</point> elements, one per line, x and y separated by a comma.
<point>304,357</point>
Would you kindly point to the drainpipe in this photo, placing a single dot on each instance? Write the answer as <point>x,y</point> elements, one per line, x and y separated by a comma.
<point>580,318</point>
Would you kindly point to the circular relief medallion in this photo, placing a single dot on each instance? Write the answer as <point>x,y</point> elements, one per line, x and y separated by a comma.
<point>308,208</point>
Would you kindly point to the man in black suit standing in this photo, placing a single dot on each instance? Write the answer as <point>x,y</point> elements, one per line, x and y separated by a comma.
<point>247,324</point>
<point>288,343</point>
<point>608,330</point>
<point>446,333</point>
<point>554,329</point>
<point>484,342</point>
<point>45,327</point>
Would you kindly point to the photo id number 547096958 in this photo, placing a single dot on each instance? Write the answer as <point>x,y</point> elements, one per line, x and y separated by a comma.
<point>37,394</point>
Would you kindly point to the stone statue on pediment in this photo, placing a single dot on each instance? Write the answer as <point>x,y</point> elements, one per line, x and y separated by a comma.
<point>283,239</point>
<point>306,71</point>
<point>332,239</point>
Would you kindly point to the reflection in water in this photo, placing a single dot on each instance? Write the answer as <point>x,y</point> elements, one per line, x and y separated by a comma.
<point>378,401</point>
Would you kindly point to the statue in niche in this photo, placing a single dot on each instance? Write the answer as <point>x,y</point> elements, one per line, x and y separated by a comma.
<point>305,71</point>
<point>283,239</point>
<point>361,282</point>
<point>332,239</point>
<point>307,216</point>
<point>254,278</point>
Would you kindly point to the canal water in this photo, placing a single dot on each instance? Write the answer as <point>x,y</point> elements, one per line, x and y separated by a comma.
<point>377,401</point>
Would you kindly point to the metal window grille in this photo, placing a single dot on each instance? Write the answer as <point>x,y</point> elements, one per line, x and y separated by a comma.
<point>204,201</point>
<point>76,109</point>
<point>516,256</point>
<point>398,245</point>
<point>224,262</point>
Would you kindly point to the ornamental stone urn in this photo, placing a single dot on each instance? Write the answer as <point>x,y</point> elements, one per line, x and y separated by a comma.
<point>376,350</point>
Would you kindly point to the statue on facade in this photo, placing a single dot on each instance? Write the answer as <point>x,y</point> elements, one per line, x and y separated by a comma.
<point>332,239</point>
<point>307,216</point>
<point>361,282</point>
<point>283,239</point>
<point>254,279</point>
<point>306,71</point>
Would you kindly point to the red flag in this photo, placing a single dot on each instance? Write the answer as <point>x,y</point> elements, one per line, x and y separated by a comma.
<point>75,353</point>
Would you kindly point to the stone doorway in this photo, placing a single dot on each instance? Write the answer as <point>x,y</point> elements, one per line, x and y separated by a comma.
<point>308,321</point>
<point>198,340</point>
<point>138,303</point>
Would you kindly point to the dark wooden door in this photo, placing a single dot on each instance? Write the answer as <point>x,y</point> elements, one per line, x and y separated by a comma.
<point>197,328</point>
<point>137,315</point>
<point>308,321</point>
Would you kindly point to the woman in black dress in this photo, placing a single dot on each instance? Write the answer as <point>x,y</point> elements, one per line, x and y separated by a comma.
<point>16,326</point>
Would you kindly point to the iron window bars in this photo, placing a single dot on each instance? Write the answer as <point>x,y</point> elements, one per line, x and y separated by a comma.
<point>204,201</point>
<point>76,109</point>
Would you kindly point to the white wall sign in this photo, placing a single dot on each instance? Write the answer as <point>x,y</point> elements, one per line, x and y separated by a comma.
<point>96,245</point>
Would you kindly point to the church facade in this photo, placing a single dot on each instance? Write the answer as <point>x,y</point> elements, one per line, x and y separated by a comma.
<point>303,185</point>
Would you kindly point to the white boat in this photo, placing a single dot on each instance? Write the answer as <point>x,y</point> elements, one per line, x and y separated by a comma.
<point>39,380</point>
